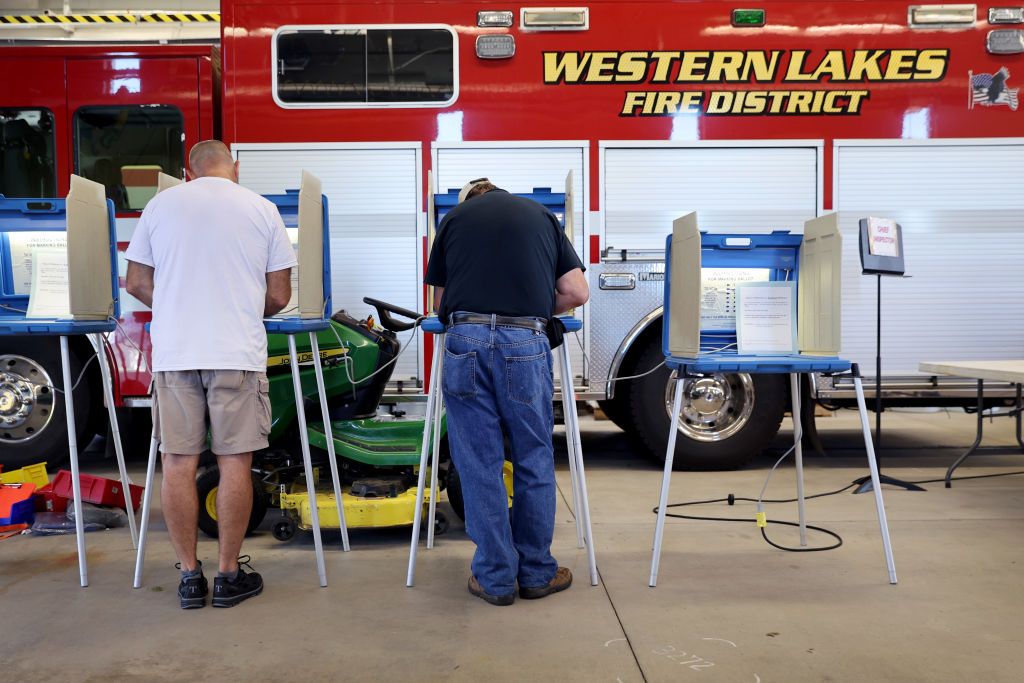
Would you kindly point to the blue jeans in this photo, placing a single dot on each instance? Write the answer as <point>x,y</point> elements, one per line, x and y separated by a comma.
<point>497,383</point>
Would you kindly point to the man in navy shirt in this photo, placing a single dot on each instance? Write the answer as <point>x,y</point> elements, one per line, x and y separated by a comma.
<point>502,267</point>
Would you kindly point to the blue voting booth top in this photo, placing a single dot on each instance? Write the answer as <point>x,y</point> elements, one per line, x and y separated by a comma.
<point>779,252</point>
<point>553,201</point>
<point>288,206</point>
<point>44,215</point>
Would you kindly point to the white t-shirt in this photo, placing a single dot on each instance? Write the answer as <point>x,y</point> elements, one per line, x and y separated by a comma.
<point>212,243</point>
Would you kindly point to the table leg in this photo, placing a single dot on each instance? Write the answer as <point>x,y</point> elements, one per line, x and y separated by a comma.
<point>581,476</point>
<point>115,434</point>
<point>798,436</point>
<point>1020,409</point>
<point>76,484</point>
<point>670,452</point>
<point>300,413</point>
<point>329,435</point>
<point>433,386</point>
<point>570,448</point>
<point>147,500</point>
<point>876,485</point>
<point>435,460</point>
<point>977,438</point>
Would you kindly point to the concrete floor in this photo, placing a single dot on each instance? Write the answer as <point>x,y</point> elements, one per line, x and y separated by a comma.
<point>728,607</point>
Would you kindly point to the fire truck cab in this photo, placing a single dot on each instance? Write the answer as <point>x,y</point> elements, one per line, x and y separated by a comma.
<point>758,119</point>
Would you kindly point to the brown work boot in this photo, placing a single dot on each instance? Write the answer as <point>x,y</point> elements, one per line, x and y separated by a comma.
<point>562,580</point>
<point>500,600</point>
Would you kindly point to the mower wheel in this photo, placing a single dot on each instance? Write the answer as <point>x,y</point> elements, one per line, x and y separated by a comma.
<point>284,529</point>
<point>206,488</point>
<point>441,523</point>
<point>454,491</point>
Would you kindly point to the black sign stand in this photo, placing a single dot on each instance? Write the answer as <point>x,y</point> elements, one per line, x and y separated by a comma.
<point>874,264</point>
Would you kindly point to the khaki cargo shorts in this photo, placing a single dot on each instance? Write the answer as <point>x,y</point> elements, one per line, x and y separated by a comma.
<point>234,405</point>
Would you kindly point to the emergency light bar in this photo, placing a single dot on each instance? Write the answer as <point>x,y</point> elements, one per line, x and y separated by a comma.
<point>555,18</point>
<point>1006,41</point>
<point>1006,15</point>
<point>493,19</point>
<point>941,16</point>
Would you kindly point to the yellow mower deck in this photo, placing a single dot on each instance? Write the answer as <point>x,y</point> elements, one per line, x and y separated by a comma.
<point>363,513</point>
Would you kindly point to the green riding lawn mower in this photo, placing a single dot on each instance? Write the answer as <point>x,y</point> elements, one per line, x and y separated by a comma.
<point>377,442</point>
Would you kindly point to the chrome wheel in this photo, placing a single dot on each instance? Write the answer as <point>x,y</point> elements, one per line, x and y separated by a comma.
<point>715,407</point>
<point>26,402</point>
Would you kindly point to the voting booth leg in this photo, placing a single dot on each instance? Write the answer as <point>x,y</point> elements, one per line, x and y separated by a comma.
<point>76,484</point>
<point>582,511</point>
<point>883,523</point>
<point>670,452</point>
<point>428,419</point>
<point>798,436</point>
<point>570,447</point>
<point>314,513</point>
<point>115,434</point>
<point>147,500</point>
<point>329,435</point>
<point>436,448</point>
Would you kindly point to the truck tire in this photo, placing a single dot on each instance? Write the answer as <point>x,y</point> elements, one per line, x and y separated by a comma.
<point>617,410</point>
<point>206,488</point>
<point>727,419</point>
<point>33,421</point>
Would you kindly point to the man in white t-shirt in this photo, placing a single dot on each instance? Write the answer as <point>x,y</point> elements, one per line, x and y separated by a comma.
<point>212,259</point>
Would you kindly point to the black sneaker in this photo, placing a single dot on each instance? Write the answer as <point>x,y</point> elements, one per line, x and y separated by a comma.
<point>246,585</point>
<point>193,591</point>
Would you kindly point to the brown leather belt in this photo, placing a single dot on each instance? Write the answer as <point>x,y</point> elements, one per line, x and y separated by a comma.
<point>536,324</point>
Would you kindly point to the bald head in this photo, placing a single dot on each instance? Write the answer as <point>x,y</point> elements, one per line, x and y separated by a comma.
<point>212,158</point>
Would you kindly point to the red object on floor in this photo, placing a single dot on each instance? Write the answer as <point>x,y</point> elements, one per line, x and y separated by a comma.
<point>48,501</point>
<point>16,506</point>
<point>96,490</point>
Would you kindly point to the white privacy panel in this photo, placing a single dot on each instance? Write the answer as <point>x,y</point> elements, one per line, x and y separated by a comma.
<point>520,169</point>
<point>961,207</point>
<point>372,206</point>
<point>732,189</point>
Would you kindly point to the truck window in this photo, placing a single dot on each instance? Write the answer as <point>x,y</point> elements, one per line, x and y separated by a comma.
<point>351,66</point>
<point>28,167</point>
<point>125,147</point>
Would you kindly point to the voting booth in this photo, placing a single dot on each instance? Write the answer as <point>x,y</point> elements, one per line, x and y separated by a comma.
<point>305,216</point>
<point>438,206</point>
<point>787,321</point>
<point>59,279</point>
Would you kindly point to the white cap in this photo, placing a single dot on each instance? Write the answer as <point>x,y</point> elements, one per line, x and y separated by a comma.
<point>469,186</point>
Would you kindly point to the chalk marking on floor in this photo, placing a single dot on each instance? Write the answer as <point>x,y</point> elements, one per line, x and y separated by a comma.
<point>722,640</point>
<point>615,640</point>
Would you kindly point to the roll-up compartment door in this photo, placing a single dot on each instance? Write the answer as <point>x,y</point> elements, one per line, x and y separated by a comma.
<point>372,200</point>
<point>737,189</point>
<point>961,208</point>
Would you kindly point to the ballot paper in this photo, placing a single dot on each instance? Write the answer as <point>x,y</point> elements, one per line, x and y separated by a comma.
<point>22,244</point>
<point>883,237</point>
<point>766,318</point>
<point>49,295</point>
<point>718,294</point>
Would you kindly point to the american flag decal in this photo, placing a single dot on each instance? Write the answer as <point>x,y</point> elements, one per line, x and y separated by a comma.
<point>990,90</point>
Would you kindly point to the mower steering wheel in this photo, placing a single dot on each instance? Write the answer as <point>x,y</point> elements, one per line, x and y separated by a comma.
<point>384,311</point>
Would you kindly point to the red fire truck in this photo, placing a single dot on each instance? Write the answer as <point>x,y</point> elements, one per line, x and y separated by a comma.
<point>757,117</point>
